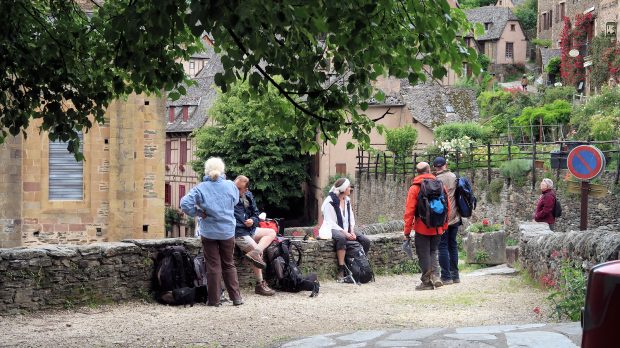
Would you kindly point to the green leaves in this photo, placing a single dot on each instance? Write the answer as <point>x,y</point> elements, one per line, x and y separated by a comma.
<point>315,46</point>
<point>254,138</point>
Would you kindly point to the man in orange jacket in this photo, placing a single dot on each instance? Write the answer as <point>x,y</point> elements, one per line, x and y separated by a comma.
<point>426,238</point>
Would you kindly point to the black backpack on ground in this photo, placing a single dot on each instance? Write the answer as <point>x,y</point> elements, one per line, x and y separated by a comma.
<point>464,198</point>
<point>557,208</point>
<point>175,278</point>
<point>432,206</point>
<point>283,269</point>
<point>357,264</point>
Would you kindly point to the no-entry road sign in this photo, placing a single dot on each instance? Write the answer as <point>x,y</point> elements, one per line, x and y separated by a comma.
<point>585,162</point>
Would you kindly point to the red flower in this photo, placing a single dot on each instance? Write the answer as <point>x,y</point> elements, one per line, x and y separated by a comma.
<point>537,310</point>
<point>555,254</point>
<point>485,222</point>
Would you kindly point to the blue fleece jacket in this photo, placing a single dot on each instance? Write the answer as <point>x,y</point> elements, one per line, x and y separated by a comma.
<point>218,199</point>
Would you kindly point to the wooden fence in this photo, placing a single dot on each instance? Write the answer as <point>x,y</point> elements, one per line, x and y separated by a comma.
<point>551,155</point>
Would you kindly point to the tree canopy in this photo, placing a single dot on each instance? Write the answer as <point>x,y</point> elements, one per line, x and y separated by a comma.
<point>269,156</point>
<point>62,65</point>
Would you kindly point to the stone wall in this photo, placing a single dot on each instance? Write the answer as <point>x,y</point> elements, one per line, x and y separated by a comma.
<point>123,187</point>
<point>10,191</point>
<point>541,250</point>
<point>52,276</point>
<point>384,199</point>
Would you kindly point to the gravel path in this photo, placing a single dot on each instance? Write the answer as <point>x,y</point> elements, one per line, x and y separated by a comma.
<point>390,302</point>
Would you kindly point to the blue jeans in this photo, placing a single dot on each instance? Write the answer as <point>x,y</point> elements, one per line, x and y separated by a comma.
<point>449,253</point>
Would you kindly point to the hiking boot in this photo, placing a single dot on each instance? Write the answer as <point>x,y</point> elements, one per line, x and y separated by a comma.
<point>340,276</point>
<point>447,282</point>
<point>238,302</point>
<point>424,286</point>
<point>436,281</point>
<point>456,280</point>
<point>264,290</point>
<point>256,259</point>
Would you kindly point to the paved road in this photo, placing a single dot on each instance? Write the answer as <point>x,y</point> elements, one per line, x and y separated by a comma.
<point>522,336</point>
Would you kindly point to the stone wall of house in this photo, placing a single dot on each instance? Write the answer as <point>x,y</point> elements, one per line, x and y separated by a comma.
<point>542,251</point>
<point>383,199</point>
<point>123,182</point>
<point>52,276</point>
<point>10,191</point>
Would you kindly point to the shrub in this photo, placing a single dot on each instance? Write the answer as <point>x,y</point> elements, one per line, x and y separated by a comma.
<point>569,294</point>
<point>516,170</point>
<point>542,42</point>
<point>480,228</point>
<point>171,217</point>
<point>558,93</point>
<point>401,140</point>
<point>494,190</point>
<point>456,130</point>
<point>557,112</point>
<point>605,104</point>
<point>553,67</point>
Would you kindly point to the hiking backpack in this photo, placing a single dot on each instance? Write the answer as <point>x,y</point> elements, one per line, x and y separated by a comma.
<point>357,264</point>
<point>464,198</point>
<point>432,206</point>
<point>175,277</point>
<point>283,268</point>
<point>557,208</point>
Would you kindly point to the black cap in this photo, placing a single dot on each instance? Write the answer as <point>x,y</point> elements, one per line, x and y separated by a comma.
<point>439,162</point>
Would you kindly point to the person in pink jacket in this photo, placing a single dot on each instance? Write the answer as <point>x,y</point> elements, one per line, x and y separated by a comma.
<point>546,203</point>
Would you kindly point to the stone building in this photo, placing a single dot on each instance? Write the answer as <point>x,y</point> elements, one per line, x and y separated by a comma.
<point>503,40</point>
<point>509,3</point>
<point>551,14</point>
<point>47,197</point>
<point>183,116</point>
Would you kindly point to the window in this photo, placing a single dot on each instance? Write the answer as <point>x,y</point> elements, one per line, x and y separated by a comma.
<point>185,113</point>
<point>562,10</point>
<point>183,152</point>
<point>509,50</point>
<point>545,23</point>
<point>481,44</point>
<point>171,114</point>
<point>341,168</point>
<point>168,194</point>
<point>500,2</point>
<point>181,192</point>
<point>192,68</point>
<point>487,25</point>
<point>66,175</point>
<point>512,27</point>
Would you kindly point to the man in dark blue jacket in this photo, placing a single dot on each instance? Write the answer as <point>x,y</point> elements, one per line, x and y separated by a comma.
<point>250,238</point>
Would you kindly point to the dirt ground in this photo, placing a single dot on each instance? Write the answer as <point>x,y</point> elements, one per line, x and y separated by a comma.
<point>390,302</point>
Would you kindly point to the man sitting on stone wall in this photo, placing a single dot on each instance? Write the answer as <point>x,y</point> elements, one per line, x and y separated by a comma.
<point>251,239</point>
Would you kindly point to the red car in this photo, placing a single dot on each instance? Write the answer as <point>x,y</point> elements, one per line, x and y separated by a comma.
<point>600,319</point>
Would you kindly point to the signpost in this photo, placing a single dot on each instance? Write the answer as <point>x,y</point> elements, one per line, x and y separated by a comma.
<point>585,162</point>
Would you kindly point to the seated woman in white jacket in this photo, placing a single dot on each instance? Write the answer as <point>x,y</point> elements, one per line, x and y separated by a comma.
<point>339,222</point>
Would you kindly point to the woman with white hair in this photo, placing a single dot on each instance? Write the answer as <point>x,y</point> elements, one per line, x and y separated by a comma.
<point>214,201</point>
<point>339,221</point>
<point>546,203</point>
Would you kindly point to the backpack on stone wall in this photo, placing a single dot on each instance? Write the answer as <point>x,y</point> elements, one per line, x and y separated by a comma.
<point>175,278</point>
<point>432,206</point>
<point>464,198</point>
<point>557,208</point>
<point>283,269</point>
<point>357,264</point>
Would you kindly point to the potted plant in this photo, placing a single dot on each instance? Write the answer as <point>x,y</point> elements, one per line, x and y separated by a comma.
<point>485,243</point>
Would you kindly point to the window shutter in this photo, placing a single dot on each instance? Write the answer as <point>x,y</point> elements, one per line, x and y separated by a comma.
<point>185,113</point>
<point>168,151</point>
<point>181,192</point>
<point>168,194</point>
<point>66,175</point>
<point>171,114</point>
<point>183,150</point>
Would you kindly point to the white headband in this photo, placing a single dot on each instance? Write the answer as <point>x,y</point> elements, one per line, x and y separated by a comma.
<point>342,187</point>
